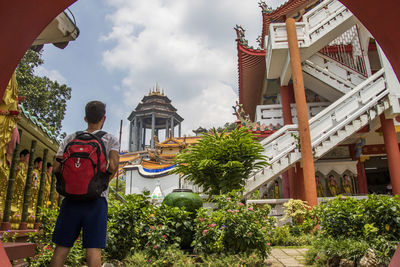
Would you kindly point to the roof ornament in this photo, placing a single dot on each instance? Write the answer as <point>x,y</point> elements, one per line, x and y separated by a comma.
<point>265,8</point>
<point>259,41</point>
<point>240,34</point>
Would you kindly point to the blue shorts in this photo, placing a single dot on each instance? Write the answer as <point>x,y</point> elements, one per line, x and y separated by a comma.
<point>90,216</point>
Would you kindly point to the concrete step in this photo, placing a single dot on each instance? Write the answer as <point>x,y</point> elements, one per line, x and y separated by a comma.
<point>19,250</point>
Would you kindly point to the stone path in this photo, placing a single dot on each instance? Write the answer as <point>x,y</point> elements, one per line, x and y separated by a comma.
<point>288,257</point>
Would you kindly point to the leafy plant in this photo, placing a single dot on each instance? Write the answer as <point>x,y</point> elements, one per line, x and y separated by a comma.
<point>232,228</point>
<point>126,218</point>
<point>221,162</point>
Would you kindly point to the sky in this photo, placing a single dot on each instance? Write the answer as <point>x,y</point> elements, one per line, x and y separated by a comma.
<point>125,47</point>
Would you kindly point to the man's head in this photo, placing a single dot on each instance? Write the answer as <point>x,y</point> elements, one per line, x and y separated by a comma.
<point>24,156</point>
<point>95,112</point>
<point>38,163</point>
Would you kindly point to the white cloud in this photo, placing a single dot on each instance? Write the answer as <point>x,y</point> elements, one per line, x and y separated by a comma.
<point>187,46</point>
<point>53,75</point>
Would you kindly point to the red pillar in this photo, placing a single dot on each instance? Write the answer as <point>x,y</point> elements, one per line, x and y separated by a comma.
<point>299,182</point>
<point>310,189</point>
<point>21,22</point>
<point>362,178</point>
<point>393,153</point>
<point>288,177</point>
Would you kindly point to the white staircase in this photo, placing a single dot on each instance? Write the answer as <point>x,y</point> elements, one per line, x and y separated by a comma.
<point>329,128</point>
<point>320,26</point>
<point>330,78</point>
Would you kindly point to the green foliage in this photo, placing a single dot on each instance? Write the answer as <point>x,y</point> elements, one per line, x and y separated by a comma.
<point>284,236</point>
<point>351,227</point>
<point>45,98</point>
<point>176,257</point>
<point>302,220</point>
<point>44,253</point>
<point>228,127</point>
<point>366,218</point>
<point>127,218</point>
<point>328,251</point>
<point>221,162</point>
<point>168,227</point>
<point>232,228</point>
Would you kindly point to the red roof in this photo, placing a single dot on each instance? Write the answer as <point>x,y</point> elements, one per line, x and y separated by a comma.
<point>251,62</point>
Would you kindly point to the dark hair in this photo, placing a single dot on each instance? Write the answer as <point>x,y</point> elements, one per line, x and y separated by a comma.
<point>24,152</point>
<point>95,111</point>
<point>38,160</point>
<point>49,165</point>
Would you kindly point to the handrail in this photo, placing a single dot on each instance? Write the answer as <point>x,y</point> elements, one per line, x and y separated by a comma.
<point>289,129</point>
<point>346,96</point>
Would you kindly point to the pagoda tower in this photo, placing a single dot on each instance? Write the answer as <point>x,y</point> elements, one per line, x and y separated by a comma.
<point>155,112</point>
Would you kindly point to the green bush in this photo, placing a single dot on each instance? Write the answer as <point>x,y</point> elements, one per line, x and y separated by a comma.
<point>328,251</point>
<point>168,226</point>
<point>351,227</point>
<point>125,222</point>
<point>232,228</point>
<point>366,218</point>
<point>283,236</point>
<point>44,252</point>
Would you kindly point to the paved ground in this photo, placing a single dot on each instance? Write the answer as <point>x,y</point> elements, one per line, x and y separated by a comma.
<point>288,257</point>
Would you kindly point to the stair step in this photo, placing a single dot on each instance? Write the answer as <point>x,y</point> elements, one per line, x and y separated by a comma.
<point>19,250</point>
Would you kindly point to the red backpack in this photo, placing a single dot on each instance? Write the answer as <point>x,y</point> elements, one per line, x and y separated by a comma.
<point>83,167</point>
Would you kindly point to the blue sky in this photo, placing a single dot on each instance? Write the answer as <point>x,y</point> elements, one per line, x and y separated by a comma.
<point>126,46</point>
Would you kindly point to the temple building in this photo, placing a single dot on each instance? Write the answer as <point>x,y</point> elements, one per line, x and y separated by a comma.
<point>331,97</point>
<point>154,112</point>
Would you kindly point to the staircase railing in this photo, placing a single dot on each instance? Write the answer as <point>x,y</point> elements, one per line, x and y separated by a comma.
<point>316,23</point>
<point>329,121</point>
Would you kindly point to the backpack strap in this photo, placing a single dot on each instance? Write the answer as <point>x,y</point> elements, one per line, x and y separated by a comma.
<point>98,135</point>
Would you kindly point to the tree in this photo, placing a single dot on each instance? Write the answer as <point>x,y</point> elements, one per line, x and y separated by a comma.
<point>45,98</point>
<point>221,162</point>
<point>228,127</point>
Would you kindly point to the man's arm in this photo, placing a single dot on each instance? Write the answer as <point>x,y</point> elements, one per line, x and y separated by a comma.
<point>113,161</point>
<point>56,165</point>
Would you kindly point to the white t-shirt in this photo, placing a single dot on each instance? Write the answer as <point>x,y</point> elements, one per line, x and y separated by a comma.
<point>111,143</point>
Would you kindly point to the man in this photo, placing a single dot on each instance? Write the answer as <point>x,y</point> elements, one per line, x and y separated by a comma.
<point>91,216</point>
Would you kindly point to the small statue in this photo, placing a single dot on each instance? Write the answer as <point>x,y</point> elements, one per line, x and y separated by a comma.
<point>333,188</point>
<point>347,185</point>
<point>320,190</point>
<point>276,190</point>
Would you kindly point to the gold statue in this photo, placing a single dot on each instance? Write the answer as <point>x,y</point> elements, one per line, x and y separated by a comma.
<point>320,189</point>
<point>333,188</point>
<point>347,185</point>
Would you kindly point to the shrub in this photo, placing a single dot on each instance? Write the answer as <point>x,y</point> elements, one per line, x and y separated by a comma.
<point>45,250</point>
<point>221,162</point>
<point>168,226</point>
<point>328,251</point>
<point>302,219</point>
<point>232,227</point>
<point>124,227</point>
<point>283,236</point>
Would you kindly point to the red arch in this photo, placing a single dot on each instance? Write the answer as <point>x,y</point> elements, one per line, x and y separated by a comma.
<point>21,21</point>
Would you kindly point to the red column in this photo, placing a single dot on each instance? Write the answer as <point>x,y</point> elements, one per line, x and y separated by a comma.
<point>299,182</point>
<point>288,177</point>
<point>393,153</point>
<point>310,190</point>
<point>362,178</point>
